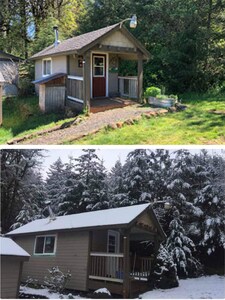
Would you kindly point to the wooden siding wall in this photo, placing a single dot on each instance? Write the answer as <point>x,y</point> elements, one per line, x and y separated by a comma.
<point>145,219</point>
<point>52,98</point>
<point>99,241</point>
<point>117,39</point>
<point>71,254</point>
<point>75,88</point>
<point>10,272</point>
<point>73,68</point>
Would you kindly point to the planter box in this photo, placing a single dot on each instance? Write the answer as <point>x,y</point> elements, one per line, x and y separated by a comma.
<point>161,103</point>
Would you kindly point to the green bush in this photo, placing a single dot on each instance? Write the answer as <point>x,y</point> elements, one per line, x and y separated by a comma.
<point>152,91</point>
<point>173,97</point>
<point>162,97</point>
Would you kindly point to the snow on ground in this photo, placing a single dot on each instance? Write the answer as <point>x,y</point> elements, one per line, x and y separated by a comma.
<point>205,287</point>
<point>45,292</point>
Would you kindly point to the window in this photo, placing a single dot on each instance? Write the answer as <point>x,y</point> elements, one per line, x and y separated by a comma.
<point>113,241</point>
<point>47,67</point>
<point>99,66</point>
<point>45,244</point>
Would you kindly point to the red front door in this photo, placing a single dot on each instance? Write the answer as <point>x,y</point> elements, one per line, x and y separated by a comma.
<point>99,75</point>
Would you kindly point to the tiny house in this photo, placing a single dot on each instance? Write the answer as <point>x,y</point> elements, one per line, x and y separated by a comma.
<point>91,62</point>
<point>111,248</point>
<point>12,259</point>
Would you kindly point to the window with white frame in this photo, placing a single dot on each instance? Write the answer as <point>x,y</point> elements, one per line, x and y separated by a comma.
<point>45,244</point>
<point>47,66</point>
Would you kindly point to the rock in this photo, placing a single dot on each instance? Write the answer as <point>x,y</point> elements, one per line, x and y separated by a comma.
<point>172,109</point>
<point>119,124</point>
<point>129,122</point>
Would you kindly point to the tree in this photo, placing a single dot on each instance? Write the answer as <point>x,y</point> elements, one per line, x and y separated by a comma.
<point>33,197</point>
<point>15,168</point>
<point>165,272</point>
<point>92,175</point>
<point>55,184</point>
<point>181,248</point>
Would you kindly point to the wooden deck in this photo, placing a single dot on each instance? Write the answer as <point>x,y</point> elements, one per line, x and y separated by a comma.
<point>103,104</point>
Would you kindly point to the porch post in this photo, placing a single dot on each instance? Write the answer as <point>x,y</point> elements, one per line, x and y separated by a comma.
<point>126,265</point>
<point>140,76</point>
<point>87,81</point>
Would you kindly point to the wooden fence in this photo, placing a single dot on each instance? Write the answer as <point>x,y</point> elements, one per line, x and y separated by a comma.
<point>128,86</point>
<point>75,89</point>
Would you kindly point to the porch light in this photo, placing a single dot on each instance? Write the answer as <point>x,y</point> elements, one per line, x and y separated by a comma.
<point>133,21</point>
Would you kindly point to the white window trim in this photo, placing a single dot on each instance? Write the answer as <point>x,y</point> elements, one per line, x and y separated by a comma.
<point>117,239</point>
<point>95,66</point>
<point>43,60</point>
<point>107,71</point>
<point>45,254</point>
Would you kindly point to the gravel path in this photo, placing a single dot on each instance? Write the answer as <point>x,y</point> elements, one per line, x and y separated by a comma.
<point>93,124</point>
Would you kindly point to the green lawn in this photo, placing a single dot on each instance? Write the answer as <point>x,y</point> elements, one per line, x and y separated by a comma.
<point>22,116</point>
<point>196,125</point>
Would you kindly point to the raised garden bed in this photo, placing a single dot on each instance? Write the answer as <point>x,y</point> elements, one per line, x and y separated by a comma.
<point>153,101</point>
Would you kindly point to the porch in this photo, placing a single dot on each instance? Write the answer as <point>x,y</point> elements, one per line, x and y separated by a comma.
<point>127,90</point>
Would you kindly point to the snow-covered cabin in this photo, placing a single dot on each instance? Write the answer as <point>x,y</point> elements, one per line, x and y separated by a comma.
<point>111,248</point>
<point>12,259</point>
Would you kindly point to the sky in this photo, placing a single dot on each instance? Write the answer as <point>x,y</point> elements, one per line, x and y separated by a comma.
<point>109,154</point>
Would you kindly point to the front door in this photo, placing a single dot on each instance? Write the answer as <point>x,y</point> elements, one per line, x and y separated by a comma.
<point>99,75</point>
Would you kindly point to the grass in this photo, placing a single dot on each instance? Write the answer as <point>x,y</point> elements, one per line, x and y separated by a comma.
<point>195,125</point>
<point>22,116</point>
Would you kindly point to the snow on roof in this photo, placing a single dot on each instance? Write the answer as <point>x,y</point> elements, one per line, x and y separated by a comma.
<point>106,217</point>
<point>9,247</point>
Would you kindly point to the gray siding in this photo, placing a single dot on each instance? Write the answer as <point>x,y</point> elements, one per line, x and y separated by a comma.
<point>73,66</point>
<point>71,254</point>
<point>10,271</point>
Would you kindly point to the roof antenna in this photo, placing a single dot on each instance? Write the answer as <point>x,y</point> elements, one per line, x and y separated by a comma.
<point>52,216</point>
<point>57,42</point>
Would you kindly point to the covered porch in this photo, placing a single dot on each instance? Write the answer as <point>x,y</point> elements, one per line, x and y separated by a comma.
<point>123,264</point>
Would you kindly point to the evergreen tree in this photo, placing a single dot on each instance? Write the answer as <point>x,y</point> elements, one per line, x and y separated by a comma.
<point>116,186</point>
<point>92,176</point>
<point>165,272</point>
<point>55,184</point>
<point>181,248</point>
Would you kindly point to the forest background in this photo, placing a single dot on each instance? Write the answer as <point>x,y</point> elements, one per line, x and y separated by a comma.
<point>193,184</point>
<point>186,39</point>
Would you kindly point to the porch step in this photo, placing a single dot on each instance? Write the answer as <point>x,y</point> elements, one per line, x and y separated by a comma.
<point>101,105</point>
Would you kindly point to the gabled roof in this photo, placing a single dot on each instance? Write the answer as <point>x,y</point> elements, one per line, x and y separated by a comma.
<point>10,56</point>
<point>85,41</point>
<point>122,216</point>
<point>9,247</point>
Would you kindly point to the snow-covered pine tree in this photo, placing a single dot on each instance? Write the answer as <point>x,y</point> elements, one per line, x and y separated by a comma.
<point>136,177</point>
<point>181,248</point>
<point>164,275</point>
<point>33,196</point>
<point>210,199</point>
<point>55,185</point>
<point>92,177</point>
<point>117,192</point>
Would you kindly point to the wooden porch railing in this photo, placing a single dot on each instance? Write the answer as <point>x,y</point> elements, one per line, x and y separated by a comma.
<point>128,86</point>
<point>106,266</point>
<point>109,267</point>
<point>141,267</point>
<point>75,88</point>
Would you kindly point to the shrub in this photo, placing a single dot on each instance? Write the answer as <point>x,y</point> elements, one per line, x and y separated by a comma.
<point>162,97</point>
<point>57,280</point>
<point>173,97</point>
<point>152,91</point>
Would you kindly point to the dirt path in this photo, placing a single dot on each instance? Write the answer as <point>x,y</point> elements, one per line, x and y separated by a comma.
<point>93,124</point>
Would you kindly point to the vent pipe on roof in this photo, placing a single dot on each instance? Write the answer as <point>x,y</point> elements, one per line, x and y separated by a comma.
<point>57,42</point>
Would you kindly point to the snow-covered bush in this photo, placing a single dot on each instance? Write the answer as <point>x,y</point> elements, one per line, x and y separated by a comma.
<point>181,248</point>
<point>57,280</point>
<point>31,282</point>
<point>165,272</point>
